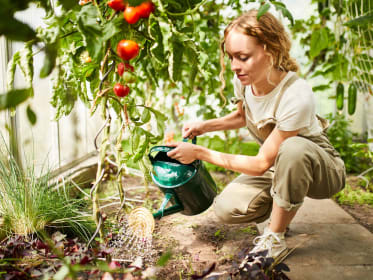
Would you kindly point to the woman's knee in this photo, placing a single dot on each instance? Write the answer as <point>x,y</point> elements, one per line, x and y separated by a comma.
<point>244,200</point>
<point>294,150</point>
<point>227,213</point>
<point>222,211</point>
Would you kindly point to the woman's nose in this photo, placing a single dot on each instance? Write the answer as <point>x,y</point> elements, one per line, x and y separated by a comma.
<point>235,66</point>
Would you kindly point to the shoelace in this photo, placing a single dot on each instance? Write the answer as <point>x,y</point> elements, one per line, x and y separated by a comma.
<point>262,240</point>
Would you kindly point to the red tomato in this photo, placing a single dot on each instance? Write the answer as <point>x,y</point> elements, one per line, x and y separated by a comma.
<point>127,49</point>
<point>117,5</point>
<point>145,9</point>
<point>121,90</point>
<point>120,68</point>
<point>131,14</point>
<point>129,67</point>
<point>124,67</point>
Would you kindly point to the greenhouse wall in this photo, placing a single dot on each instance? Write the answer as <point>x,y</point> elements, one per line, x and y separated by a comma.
<point>48,143</point>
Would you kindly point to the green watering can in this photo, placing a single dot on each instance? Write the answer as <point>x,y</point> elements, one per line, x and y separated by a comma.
<point>189,187</point>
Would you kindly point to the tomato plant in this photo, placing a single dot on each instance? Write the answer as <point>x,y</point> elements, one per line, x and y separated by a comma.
<point>127,49</point>
<point>179,57</point>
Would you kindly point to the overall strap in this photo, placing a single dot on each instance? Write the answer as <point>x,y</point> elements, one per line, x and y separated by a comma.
<point>324,123</point>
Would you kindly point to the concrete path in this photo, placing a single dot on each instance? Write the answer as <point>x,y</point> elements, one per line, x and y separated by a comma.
<point>329,244</point>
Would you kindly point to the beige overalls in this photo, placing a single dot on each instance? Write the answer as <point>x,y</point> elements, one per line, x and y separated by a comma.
<point>304,166</point>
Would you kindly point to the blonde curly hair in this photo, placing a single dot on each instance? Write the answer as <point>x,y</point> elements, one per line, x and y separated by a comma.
<point>269,32</point>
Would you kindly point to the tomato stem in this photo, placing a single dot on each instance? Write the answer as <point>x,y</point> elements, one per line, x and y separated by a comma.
<point>126,114</point>
<point>112,15</point>
<point>100,94</point>
<point>115,99</point>
<point>105,76</point>
<point>104,61</point>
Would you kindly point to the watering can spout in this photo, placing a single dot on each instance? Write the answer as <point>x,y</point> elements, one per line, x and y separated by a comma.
<point>170,210</point>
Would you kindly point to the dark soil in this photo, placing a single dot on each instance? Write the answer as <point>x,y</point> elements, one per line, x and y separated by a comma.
<point>363,214</point>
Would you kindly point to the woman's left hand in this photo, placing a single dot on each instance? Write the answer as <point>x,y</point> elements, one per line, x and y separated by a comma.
<point>183,152</point>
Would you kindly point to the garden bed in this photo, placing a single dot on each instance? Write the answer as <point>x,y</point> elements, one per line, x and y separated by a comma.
<point>357,202</point>
<point>183,247</point>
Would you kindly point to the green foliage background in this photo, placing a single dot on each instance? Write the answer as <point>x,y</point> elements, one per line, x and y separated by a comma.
<point>179,57</point>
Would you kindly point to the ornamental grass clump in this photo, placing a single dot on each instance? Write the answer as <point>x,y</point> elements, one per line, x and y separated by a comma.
<point>28,203</point>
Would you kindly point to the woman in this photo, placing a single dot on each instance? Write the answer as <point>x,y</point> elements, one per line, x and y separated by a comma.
<point>295,158</point>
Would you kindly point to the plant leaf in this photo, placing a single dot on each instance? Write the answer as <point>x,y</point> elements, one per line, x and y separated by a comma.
<point>157,48</point>
<point>141,150</point>
<point>14,29</point>
<point>285,12</point>
<point>319,41</point>
<point>145,117</point>
<point>262,10</point>
<point>49,60</point>
<point>174,67</point>
<point>162,261</point>
<point>135,139</point>
<point>31,115</point>
<point>26,63</point>
<point>360,21</point>
<point>12,64</point>
<point>109,30</point>
<point>161,122</point>
<point>320,88</point>
<point>91,30</point>
<point>68,4</point>
<point>13,98</point>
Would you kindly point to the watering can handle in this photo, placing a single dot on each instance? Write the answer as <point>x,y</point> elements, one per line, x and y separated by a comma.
<point>194,140</point>
<point>166,148</point>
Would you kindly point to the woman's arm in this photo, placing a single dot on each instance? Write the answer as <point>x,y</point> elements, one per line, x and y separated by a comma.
<point>233,120</point>
<point>251,165</point>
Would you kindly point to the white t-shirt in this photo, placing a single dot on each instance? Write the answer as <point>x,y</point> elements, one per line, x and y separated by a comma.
<point>296,109</point>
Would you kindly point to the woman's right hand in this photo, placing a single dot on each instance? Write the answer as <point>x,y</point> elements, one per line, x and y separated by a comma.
<point>191,130</point>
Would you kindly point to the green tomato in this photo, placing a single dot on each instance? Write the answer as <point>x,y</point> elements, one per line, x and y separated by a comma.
<point>128,77</point>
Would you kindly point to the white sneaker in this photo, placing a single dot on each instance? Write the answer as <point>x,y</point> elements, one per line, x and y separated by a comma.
<point>273,242</point>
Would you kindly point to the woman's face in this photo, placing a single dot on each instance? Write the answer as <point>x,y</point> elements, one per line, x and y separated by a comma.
<point>248,58</point>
